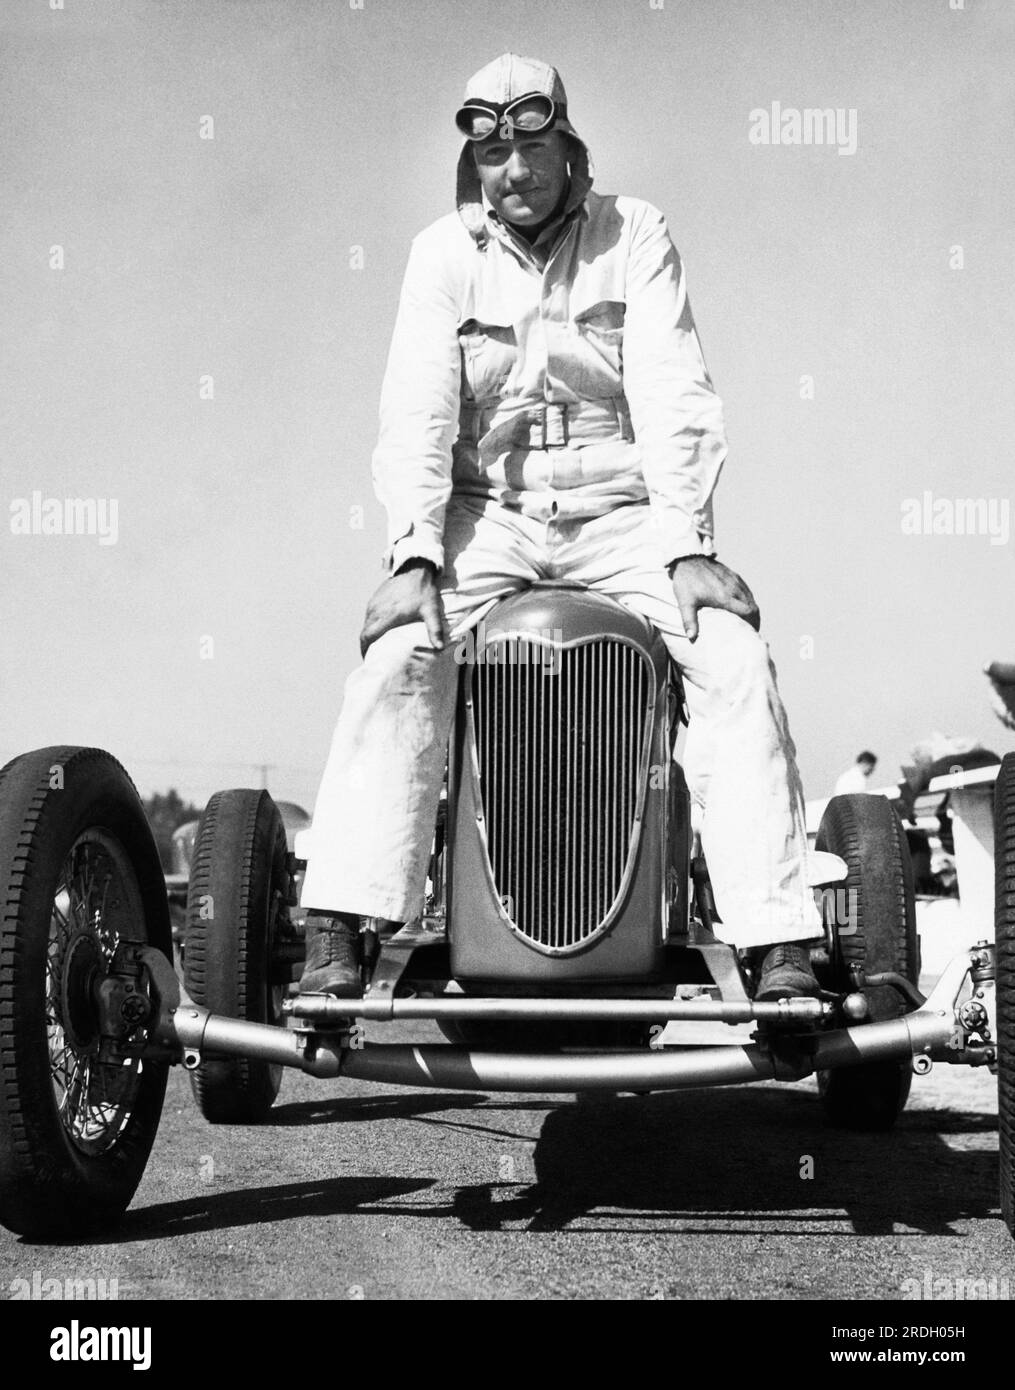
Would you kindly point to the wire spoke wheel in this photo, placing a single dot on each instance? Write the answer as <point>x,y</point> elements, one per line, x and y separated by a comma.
<point>80,884</point>
<point>94,1096</point>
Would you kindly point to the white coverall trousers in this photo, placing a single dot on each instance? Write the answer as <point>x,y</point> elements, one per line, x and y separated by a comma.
<point>374,818</point>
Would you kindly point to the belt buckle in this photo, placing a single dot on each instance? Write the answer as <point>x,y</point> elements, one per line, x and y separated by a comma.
<point>555,432</point>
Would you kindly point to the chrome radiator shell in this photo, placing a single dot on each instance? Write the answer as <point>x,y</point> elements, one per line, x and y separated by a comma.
<point>561,795</point>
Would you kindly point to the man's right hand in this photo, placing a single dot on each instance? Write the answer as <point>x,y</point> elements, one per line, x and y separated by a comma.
<point>411,595</point>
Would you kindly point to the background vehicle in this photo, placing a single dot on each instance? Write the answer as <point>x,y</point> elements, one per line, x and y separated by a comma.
<point>568,942</point>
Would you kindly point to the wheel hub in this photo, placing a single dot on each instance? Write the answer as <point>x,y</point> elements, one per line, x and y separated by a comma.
<point>83,969</point>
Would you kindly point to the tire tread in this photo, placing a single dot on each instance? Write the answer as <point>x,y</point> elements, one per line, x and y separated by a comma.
<point>1004,936</point>
<point>238,840</point>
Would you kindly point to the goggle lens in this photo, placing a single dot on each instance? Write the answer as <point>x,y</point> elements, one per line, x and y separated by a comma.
<point>531,113</point>
<point>475,123</point>
<point>527,114</point>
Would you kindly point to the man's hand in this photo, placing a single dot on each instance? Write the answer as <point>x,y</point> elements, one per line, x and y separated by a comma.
<point>699,582</point>
<point>412,595</point>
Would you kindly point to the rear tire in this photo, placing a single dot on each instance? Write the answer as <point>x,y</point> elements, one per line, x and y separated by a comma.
<point>79,875</point>
<point>878,934</point>
<point>1004,879</point>
<point>239,886</point>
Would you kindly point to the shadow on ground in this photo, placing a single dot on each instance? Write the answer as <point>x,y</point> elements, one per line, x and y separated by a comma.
<point>733,1157</point>
<point>720,1156</point>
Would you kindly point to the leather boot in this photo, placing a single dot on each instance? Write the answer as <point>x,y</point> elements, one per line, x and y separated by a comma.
<point>332,964</point>
<point>786,974</point>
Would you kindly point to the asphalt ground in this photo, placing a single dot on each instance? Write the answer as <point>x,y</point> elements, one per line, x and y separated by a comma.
<point>378,1192</point>
<point>359,1191</point>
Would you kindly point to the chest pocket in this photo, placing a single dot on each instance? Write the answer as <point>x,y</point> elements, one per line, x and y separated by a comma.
<point>600,343</point>
<point>489,354</point>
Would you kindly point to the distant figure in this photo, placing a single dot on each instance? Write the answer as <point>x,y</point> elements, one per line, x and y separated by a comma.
<point>855,778</point>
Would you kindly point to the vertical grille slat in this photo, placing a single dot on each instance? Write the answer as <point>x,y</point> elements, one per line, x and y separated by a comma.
<point>612,797</point>
<point>557,807</point>
<point>559,739</point>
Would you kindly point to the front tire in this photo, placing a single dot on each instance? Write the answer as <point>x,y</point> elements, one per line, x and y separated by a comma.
<point>876,933</point>
<point>1004,880</point>
<point>79,876</point>
<point>236,901</point>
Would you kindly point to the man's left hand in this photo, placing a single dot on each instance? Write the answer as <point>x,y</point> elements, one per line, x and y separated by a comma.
<point>699,582</point>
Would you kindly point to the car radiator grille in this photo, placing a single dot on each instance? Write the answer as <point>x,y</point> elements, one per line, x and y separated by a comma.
<point>560,736</point>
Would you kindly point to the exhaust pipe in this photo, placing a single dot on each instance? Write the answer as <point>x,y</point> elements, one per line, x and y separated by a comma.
<point>785,1059</point>
<point>183,1027</point>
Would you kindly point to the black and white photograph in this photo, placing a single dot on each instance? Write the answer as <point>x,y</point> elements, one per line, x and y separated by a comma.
<point>507,694</point>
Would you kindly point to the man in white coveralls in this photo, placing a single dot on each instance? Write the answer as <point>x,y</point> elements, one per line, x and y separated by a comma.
<point>546,414</point>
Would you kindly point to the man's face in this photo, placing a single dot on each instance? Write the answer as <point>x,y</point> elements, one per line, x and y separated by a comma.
<point>524,178</point>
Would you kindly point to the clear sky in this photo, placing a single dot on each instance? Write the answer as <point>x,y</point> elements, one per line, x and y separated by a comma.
<point>232,258</point>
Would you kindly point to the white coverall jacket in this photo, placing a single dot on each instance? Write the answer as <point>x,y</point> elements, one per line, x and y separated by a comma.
<point>604,336</point>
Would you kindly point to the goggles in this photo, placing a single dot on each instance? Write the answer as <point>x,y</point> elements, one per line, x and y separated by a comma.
<point>526,115</point>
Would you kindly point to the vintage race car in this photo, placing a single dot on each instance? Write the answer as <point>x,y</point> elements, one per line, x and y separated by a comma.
<point>568,943</point>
